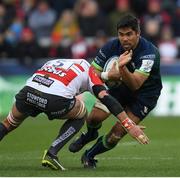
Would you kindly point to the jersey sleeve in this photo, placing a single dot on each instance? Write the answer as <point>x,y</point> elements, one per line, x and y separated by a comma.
<point>94,78</point>
<point>146,62</point>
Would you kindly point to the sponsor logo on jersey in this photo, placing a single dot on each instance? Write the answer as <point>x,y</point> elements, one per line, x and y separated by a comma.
<point>54,70</point>
<point>43,80</point>
<point>63,75</point>
<point>146,65</point>
<point>149,56</point>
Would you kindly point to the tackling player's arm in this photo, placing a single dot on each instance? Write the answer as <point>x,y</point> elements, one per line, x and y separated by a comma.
<point>115,108</point>
<point>113,74</point>
<point>98,71</point>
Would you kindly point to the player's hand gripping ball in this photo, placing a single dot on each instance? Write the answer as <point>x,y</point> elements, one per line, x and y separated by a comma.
<point>108,65</point>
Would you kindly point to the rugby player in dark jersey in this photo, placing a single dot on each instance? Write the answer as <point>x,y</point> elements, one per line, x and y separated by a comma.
<point>138,93</point>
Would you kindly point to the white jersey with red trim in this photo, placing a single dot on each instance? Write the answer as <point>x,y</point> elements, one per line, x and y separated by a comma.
<point>64,77</point>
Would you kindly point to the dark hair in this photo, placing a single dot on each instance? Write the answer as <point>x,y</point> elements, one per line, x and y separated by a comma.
<point>128,20</point>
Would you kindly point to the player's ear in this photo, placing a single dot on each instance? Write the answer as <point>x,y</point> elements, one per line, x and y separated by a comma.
<point>138,33</point>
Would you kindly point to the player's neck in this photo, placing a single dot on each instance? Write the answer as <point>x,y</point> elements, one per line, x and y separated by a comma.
<point>136,44</point>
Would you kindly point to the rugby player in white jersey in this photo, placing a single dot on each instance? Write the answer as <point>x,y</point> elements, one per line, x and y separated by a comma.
<point>52,90</point>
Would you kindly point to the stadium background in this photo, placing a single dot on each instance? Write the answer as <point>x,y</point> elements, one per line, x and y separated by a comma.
<point>32,32</point>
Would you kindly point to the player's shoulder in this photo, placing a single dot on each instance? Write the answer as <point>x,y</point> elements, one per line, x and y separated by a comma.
<point>147,49</point>
<point>111,48</point>
<point>147,45</point>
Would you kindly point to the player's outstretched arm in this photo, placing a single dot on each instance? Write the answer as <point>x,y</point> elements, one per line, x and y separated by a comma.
<point>117,110</point>
<point>135,131</point>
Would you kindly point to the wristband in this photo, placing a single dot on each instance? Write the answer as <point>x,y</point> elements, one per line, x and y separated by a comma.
<point>128,123</point>
<point>104,75</point>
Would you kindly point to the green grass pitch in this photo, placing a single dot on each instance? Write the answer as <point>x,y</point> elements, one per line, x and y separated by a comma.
<point>21,152</point>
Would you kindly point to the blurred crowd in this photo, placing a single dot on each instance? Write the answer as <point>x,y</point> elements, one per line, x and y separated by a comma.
<point>32,29</point>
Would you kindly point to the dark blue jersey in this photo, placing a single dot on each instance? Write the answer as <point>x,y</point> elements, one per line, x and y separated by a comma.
<point>145,59</point>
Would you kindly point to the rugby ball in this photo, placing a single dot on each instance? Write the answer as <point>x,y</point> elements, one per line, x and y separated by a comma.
<point>108,65</point>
